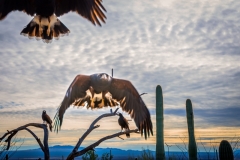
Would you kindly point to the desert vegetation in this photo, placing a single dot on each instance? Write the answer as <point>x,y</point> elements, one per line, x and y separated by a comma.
<point>189,150</point>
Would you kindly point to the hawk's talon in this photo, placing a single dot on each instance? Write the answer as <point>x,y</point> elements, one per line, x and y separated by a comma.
<point>48,32</point>
<point>40,30</point>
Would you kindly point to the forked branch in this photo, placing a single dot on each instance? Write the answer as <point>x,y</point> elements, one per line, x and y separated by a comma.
<point>76,153</point>
<point>92,146</point>
<point>13,132</point>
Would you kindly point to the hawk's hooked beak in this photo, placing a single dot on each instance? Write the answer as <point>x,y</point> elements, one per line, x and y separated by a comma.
<point>103,76</point>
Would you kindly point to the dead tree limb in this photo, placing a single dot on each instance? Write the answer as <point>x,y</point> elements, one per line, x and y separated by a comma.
<point>92,146</point>
<point>75,152</point>
<point>44,147</point>
<point>92,127</point>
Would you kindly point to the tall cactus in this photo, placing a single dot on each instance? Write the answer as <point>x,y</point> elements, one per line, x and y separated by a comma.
<point>192,147</point>
<point>160,153</point>
<point>225,151</point>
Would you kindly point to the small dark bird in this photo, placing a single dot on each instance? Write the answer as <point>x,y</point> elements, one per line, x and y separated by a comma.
<point>123,123</point>
<point>47,119</point>
<point>101,90</point>
<point>45,24</point>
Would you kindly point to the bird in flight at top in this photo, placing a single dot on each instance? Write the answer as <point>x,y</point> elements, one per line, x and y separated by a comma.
<point>45,25</point>
<point>101,90</point>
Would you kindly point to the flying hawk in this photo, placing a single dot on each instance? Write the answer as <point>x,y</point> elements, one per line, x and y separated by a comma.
<point>45,25</point>
<point>123,123</point>
<point>101,90</point>
<point>47,119</point>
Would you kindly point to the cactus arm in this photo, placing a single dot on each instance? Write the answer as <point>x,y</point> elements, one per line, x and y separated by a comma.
<point>225,151</point>
<point>192,147</point>
<point>160,153</point>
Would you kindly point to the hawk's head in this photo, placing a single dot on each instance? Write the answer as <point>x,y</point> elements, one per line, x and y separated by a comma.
<point>100,81</point>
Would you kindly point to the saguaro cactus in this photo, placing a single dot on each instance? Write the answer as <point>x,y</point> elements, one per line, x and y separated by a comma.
<point>160,153</point>
<point>225,151</point>
<point>192,147</point>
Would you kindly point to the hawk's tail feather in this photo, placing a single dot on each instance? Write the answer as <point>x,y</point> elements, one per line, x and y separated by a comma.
<point>45,37</point>
<point>50,127</point>
<point>29,30</point>
<point>56,123</point>
<point>58,118</point>
<point>60,30</point>
<point>46,32</point>
<point>128,135</point>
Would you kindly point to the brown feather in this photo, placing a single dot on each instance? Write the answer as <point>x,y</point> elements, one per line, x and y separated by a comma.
<point>106,91</point>
<point>7,6</point>
<point>47,119</point>
<point>122,121</point>
<point>76,91</point>
<point>132,103</point>
<point>89,9</point>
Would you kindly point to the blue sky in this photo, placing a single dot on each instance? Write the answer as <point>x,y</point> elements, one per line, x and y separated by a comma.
<point>190,48</point>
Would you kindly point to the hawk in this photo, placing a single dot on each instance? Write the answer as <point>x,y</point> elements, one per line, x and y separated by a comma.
<point>123,123</point>
<point>45,25</point>
<point>47,119</point>
<point>101,90</point>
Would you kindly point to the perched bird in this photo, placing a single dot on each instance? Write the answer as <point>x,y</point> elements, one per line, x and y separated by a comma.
<point>47,119</point>
<point>45,25</point>
<point>123,123</point>
<point>101,90</point>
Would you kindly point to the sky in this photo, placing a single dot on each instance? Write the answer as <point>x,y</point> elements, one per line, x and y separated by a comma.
<point>190,48</point>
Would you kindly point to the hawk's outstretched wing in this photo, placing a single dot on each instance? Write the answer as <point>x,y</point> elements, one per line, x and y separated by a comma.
<point>27,6</point>
<point>132,103</point>
<point>89,9</point>
<point>76,91</point>
<point>112,91</point>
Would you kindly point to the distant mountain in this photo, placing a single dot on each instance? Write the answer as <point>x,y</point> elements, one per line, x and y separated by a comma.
<point>61,152</point>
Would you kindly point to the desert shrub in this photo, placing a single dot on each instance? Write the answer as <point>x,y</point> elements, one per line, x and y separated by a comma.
<point>146,155</point>
<point>90,155</point>
<point>107,156</point>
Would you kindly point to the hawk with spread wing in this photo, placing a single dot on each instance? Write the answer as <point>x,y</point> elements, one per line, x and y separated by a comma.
<point>45,25</point>
<point>101,90</point>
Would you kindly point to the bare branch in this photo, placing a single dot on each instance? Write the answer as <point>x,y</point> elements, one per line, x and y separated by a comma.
<point>38,125</point>
<point>75,152</point>
<point>79,153</point>
<point>182,150</point>
<point>142,94</point>
<point>199,157</point>
<point>185,145</point>
<point>16,148</point>
<point>92,127</point>
<point>8,140</point>
<point>24,127</point>
<point>37,139</point>
<point>235,145</point>
<point>104,115</point>
<point>120,138</point>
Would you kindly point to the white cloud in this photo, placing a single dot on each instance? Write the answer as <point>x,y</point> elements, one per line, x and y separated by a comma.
<point>190,48</point>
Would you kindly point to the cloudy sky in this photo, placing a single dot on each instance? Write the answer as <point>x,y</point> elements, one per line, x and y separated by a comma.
<point>190,48</point>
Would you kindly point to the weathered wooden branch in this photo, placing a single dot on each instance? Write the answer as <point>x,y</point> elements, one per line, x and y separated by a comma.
<point>44,147</point>
<point>92,127</point>
<point>92,146</point>
<point>76,153</point>
<point>37,139</point>
<point>8,140</point>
